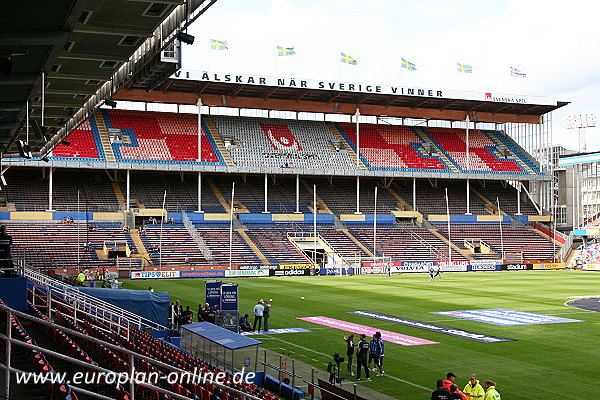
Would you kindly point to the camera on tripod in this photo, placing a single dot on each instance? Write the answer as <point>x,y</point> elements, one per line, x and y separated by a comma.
<point>334,369</point>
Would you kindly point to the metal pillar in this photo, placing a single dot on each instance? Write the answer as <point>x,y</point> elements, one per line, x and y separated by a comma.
<point>357,195</point>
<point>200,192</point>
<point>415,194</point>
<point>297,193</point>
<point>199,104</point>
<point>128,190</point>
<point>468,168</point>
<point>266,193</point>
<point>50,188</point>
<point>519,198</point>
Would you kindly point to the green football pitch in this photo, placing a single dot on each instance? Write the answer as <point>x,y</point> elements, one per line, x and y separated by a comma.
<point>545,361</point>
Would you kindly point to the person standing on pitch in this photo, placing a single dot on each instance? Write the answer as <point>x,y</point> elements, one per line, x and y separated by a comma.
<point>450,377</point>
<point>258,315</point>
<point>350,345</point>
<point>373,352</point>
<point>362,352</point>
<point>455,393</point>
<point>440,393</point>
<point>473,390</point>
<point>266,314</point>
<point>490,391</point>
<point>380,353</point>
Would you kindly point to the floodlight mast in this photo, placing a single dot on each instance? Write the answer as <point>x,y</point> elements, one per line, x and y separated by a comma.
<point>581,122</point>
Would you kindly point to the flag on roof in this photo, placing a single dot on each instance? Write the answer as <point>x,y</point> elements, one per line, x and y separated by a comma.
<point>517,73</point>
<point>348,60</point>
<point>218,44</point>
<point>285,51</point>
<point>464,68</point>
<point>408,65</point>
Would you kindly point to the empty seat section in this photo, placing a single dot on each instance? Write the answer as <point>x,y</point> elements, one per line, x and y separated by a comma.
<point>159,136</point>
<point>390,147</point>
<point>82,143</point>
<point>276,143</point>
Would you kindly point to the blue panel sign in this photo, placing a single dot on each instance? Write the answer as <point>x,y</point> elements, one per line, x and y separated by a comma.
<point>213,293</point>
<point>504,317</point>
<point>229,297</point>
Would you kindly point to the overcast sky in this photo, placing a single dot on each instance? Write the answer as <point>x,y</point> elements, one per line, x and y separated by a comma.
<point>554,42</point>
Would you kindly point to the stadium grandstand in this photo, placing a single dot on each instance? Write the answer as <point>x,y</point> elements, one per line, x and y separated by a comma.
<point>243,172</point>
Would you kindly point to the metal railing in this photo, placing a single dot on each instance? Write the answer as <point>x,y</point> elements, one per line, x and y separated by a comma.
<point>72,295</point>
<point>131,356</point>
<point>199,240</point>
<point>566,247</point>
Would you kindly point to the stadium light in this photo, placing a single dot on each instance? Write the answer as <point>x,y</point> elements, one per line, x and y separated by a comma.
<point>581,122</point>
<point>185,38</point>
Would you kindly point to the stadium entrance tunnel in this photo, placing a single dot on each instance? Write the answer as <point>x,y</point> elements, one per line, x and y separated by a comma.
<point>590,304</point>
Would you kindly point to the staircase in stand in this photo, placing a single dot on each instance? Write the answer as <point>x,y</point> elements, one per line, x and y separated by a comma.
<point>104,137</point>
<point>214,132</point>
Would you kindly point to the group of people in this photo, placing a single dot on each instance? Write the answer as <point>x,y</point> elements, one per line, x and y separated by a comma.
<point>262,313</point>
<point>447,389</point>
<point>179,316</point>
<point>367,354</point>
<point>68,221</point>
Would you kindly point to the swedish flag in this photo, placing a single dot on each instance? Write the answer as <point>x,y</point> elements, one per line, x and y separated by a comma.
<point>348,60</point>
<point>408,65</point>
<point>285,51</point>
<point>218,44</point>
<point>464,68</point>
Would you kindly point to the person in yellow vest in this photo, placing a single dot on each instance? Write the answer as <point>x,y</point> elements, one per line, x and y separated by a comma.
<point>473,390</point>
<point>80,278</point>
<point>491,392</point>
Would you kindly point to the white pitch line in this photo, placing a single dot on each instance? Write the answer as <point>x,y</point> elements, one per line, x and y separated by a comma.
<point>328,356</point>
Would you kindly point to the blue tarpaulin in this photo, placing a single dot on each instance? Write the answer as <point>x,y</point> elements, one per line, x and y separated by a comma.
<point>152,306</point>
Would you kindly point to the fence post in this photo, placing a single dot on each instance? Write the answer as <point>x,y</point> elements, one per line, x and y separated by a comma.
<point>8,355</point>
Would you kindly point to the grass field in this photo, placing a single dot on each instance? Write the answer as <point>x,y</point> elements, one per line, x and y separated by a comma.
<point>551,361</point>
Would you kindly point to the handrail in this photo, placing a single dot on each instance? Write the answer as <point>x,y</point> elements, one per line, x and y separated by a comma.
<point>63,290</point>
<point>199,240</point>
<point>132,355</point>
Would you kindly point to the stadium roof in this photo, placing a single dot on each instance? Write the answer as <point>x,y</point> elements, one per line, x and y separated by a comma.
<point>255,91</point>
<point>80,45</point>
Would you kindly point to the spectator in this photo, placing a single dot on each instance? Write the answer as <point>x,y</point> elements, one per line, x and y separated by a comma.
<point>473,390</point>
<point>187,316</point>
<point>350,345</point>
<point>490,390</point>
<point>5,257</point>
<point>205,312</point>
<point>200,313</point>
<point>258,314</point>
<point>266,314</point>
<point>455,393</point>
<point>449,380</point>
<point>177,311</point>
<point>80,278</point>
<point>362,352</point>
<point>440,393</point>
<point>151,290</point>
<point>245,324</point>
<point>211,315</point>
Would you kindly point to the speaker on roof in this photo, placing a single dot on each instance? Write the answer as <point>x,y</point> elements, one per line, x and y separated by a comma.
<point>24,149</point>
<point>39,130</point>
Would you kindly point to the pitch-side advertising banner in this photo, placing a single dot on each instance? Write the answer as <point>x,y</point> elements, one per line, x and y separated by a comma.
<point>453,266</point>
<point>549,266</point>
<point>234,273</point>
<point>154,274</point>
<point>516,267</point>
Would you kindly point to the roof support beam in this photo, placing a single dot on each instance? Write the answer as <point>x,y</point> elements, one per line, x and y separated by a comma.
<point>97,30</point>
<point>11,106</point>
<point>92,57</point>
<point>19,79</point>
<point>39,38</point>
<point>84,77</point>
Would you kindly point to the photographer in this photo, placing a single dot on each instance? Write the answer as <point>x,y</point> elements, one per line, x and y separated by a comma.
<point>350,345</point>
<point>334,369</point>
